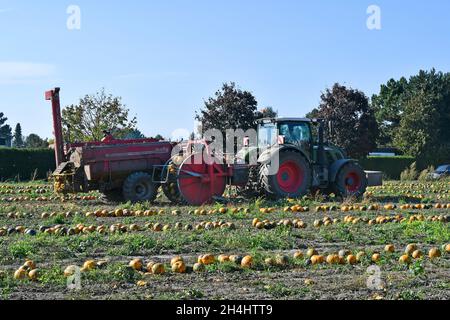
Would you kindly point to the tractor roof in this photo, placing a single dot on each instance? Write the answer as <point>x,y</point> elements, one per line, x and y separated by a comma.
<point>286,120</point>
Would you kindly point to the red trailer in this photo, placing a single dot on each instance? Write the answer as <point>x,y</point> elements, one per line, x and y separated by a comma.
<point>120,169</point>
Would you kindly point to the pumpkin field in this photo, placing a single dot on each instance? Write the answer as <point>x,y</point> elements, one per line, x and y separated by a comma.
<point>393,244</point>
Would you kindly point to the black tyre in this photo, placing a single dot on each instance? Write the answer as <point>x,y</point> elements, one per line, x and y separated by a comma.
<point>139,187</point>
<point>351,181</point>
<point>112,196</point>
<point>293,178</point>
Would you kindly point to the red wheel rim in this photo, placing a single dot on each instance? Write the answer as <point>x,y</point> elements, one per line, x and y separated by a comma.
<point>352,182</point>
<point>290,177</point>
<point>197,190</point>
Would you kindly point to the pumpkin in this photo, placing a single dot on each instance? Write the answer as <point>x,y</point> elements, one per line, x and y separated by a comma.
<point>223,258</point>
<point>70,271</point>
<point>281,260</point>
<point>136,264</point>
<point>30,264</point>
<point>247,262</point>
<point>142,283</point>
<point>158,268</point>
<point>298,255</point>
<point>360,255</point>
<point>434,253</point>
<point>157,227</point>
<point>332,259</point>
<point>317,259</point>
<point>207,259</point>
<point>20,274</point>
<point>236,259</point>
<point>199,267</point>
<point>389,248</point>
<point>351,259</point>
<point>311,252</point>
<point>405,259</point>
<point>33,274</point>
<point>309,282</point>
<point>150,266</point>
<point>417,254</point>
<point>343,253</point>
<point>89,265</point>
<point>447,248</point>
<point>179,267</point>
<point>270,262</point>
<point>376,257</point>
<point>175,260</point>
<point>410,248</point>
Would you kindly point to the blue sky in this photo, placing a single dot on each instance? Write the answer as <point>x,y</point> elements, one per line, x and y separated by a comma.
<point>165,57</point>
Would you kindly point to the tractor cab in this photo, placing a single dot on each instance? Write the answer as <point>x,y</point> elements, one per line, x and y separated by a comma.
<point>305,161</point>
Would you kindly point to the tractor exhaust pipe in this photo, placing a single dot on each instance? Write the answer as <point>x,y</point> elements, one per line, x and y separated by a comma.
<point>321,147</point>
<point>53,96</point>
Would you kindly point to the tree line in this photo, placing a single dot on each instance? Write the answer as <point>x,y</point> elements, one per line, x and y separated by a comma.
<point>410,115</point>
<point>32,141</point>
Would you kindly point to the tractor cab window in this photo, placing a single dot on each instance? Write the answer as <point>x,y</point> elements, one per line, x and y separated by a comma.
<point>267,135</point>
<point>295,133</point>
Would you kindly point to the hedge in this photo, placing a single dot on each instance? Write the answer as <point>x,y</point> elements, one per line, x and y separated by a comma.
<point>23,164</point>
<point>391,166</point>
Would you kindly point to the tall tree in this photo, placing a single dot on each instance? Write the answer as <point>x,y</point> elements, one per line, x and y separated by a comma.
<point>18,138</point>
<point>424,130</point>
<point>389,107</point>
<point>354,125</point>
<point>230,108</point>
<point>95,114</point>
<point>5,130</point>
<point>33,141</point>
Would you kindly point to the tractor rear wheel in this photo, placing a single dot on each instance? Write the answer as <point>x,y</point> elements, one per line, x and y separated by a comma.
<point>293,178</point>
<point>351,181</point>
<point>112,196</point>
<point>139,187</point>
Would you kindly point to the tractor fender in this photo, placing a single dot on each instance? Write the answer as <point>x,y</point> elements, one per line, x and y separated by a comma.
<point>336,166</point>
<point>268,155</point>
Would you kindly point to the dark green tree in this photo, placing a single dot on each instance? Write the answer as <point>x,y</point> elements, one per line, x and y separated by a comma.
<point>354,125</point>
<point>33,141</point>
<point>5,130</point>
<point>389,107</point>
<point>230,108</point>
<point>424,130</point>
<point>95,114</point>
<point>18,138</point>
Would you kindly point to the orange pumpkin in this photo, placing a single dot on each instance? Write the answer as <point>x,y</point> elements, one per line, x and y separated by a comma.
<point>434,253</point>
<point>247,262</point>
<point>405,259</point>
<point>175,260</point>
<point>298,255</point>
<point>389,248</point>
<point>208,259</point>
<point>351,259</point>
<point>136,264</point>
<point>158,268</point>
<point>376,257</point>
<point>179,267</point>
<point>417,254</point>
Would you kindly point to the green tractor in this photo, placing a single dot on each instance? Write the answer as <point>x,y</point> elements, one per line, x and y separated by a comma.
<point>303,162</point>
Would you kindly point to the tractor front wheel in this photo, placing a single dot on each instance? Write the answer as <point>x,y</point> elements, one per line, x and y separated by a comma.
<point>293,178</point>
<point>139,187</point>
<point>351,181</point>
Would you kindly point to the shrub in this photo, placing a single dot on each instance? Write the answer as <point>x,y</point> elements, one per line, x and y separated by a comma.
<point>25,164</point>
<point>410,173</point>
<point>425,174</point>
